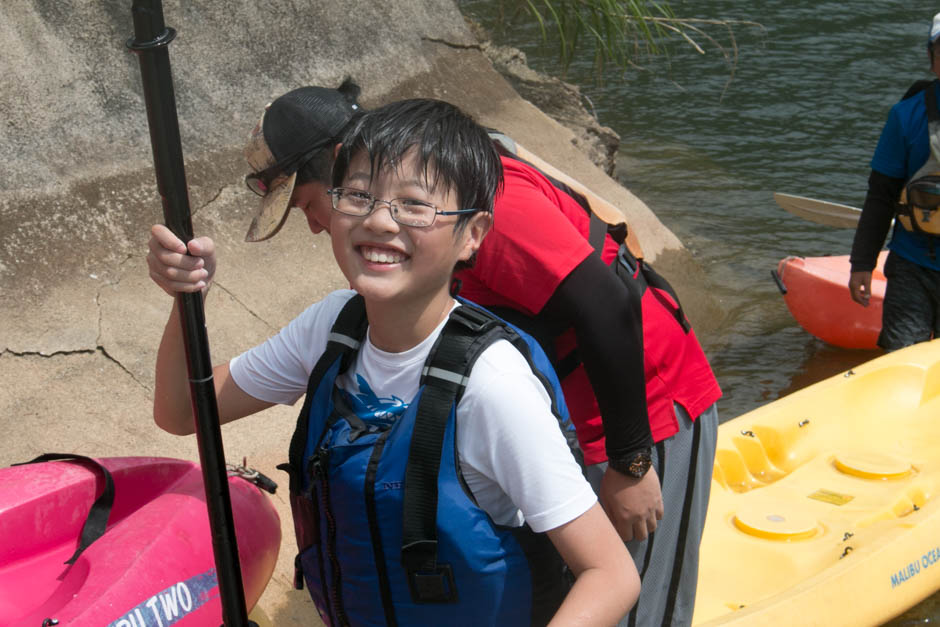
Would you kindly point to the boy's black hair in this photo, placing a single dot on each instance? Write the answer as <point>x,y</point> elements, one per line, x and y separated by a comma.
<point>451,148</point>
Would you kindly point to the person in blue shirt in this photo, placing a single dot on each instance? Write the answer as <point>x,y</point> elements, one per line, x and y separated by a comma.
<point>912,297</point>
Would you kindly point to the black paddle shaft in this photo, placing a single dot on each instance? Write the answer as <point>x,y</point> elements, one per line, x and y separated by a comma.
<point>150,42</point>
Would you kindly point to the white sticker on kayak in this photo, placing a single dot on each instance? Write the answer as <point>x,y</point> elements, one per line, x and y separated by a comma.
<point>172,604</point>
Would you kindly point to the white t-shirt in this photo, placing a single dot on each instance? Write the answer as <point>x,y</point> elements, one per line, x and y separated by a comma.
<point>511,451</point>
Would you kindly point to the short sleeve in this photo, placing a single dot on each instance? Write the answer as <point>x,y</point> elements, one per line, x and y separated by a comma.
<point>512,451</point>
<point>277,370</point>
<point>890,156</point>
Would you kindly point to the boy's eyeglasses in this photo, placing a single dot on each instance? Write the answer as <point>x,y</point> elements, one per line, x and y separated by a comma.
<point>405,211</point>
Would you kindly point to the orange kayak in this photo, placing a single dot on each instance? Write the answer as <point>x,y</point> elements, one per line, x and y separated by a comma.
<point>816,292</point>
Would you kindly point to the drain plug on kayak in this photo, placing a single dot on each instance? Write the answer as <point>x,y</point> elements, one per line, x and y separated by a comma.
<point>780,524</point>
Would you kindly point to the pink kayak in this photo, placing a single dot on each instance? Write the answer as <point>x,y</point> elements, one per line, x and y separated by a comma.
<point>154,563</point>
<point>816,292</point>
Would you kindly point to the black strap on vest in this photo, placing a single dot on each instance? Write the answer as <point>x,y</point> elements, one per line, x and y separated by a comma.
<point>97,521</point>
<point>468,332</point>
<point>917,87</point>
<point>637,276</point>
<point>598,230</point>
<point>930,95</point>
<point>644,275</point>
<point>597,234</point>
<point>344,340</point>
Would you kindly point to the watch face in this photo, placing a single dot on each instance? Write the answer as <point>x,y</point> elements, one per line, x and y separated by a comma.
<point>636,466</point>
<point>640,465</point>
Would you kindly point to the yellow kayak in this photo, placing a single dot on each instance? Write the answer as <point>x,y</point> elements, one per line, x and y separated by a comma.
<point>823,507</point>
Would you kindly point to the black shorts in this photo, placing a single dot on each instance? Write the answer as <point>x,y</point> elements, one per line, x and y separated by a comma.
<point>911,306</point>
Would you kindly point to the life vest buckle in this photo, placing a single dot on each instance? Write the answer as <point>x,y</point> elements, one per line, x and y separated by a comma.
<point>472,318</point>
<point>432,586</point>
<point>627,260</point>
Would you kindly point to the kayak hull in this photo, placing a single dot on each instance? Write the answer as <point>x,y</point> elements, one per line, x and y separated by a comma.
<point>824,503</point>
<point>816,293</point>
<point>154,565</point>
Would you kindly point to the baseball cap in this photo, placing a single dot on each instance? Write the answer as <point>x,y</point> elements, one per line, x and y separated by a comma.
<point>291,131</point>
<point>934,30</point>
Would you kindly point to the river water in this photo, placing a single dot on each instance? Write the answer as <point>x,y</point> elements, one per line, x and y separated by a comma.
<point>705,142</point>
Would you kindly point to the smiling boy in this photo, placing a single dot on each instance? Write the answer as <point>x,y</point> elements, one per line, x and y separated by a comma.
<point>396,367</point>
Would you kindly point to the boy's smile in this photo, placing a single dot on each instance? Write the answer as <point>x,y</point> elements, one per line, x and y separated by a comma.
<point>381,255</point>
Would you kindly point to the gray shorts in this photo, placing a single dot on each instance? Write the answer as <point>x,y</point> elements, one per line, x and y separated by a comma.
<point>911,311</point>
<point>668,559</point>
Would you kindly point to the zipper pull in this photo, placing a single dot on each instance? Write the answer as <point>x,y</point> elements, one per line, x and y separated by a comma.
<point>316,467</point>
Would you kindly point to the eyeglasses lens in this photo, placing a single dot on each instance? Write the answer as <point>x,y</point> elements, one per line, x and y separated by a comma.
<point>404,211</point>
<point>412,213</point>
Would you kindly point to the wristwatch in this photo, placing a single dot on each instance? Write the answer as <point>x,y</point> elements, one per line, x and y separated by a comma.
<point>635,466</point>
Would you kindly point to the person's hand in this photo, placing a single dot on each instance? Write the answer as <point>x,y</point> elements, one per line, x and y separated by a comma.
<point>633,505</point>
<point>175,271</point>
<point>860,287</point>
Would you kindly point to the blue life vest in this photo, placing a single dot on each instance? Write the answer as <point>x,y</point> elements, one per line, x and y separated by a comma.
<point>387,529</point>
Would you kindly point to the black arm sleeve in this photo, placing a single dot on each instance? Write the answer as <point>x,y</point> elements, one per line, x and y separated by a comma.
<point>873,225</point>
<point>610,344</point>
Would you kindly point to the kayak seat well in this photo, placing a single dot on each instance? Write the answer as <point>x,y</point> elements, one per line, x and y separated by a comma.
<point>906,385</point>
<point>756,459</point>
<point>761,455</point>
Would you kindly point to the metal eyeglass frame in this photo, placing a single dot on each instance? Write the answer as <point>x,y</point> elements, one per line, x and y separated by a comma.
<point>336,192</point>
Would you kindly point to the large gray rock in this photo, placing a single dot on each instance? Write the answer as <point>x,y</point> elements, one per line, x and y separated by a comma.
<point>81,320</point>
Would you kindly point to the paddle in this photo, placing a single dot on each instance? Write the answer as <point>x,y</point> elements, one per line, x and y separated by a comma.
<point>819,211</point>
<point>150,42</point>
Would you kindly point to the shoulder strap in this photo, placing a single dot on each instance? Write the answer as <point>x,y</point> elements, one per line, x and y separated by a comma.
<point>464,337</point>
<point>637,275</point>
<point>346,335</point>
<point>930,95</point>
<point>917,87</point>
<point>597,234</point>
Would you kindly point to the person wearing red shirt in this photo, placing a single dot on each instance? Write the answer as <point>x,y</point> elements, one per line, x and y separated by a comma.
<point>638,386</point>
